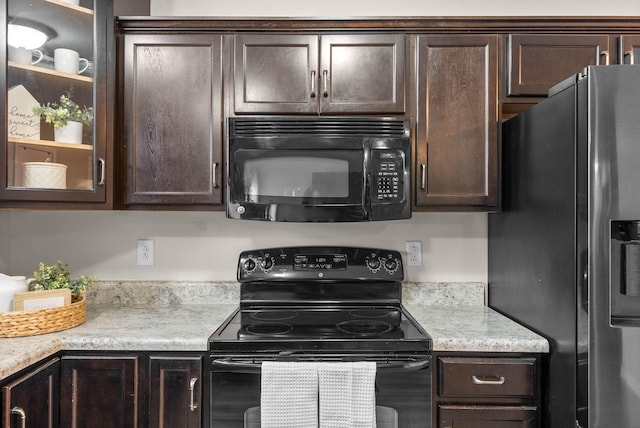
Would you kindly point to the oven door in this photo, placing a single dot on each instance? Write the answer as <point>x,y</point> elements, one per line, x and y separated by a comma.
<point>403,391</point>
<point>306,178</point>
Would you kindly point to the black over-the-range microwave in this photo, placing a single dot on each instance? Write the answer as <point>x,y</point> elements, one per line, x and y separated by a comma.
<point>310,169</point>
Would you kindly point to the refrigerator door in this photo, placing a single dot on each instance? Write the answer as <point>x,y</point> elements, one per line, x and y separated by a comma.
<point>614,201</point>
<point>532,242</point>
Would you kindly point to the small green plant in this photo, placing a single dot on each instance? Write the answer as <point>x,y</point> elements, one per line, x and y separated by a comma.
<point>56,276</point>
<point>58,114</point>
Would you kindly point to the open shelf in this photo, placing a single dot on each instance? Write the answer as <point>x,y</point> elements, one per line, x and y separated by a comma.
<point>50,144</point>
<point>71,6</point>
<point>51,72</point>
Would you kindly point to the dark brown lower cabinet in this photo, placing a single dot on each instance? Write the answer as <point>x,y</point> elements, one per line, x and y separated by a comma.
<point>474,390</point>
<point>487,417</point>
<point>99,392</point>
<point>175,391</point>
<point>31,401</point>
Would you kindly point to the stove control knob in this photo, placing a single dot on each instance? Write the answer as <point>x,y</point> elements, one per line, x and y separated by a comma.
<point>249,265</point>
<point>266,264</point>
<point>373,264</point>
<point>391,265</point>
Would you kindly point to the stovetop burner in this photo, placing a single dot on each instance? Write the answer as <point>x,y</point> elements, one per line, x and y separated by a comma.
<point>269,329</point>
<point>364,327</point>
<point>320,299</point>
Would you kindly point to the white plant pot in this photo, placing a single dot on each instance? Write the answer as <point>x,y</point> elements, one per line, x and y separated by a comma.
<point>71,133</point>
<point>44,175</point>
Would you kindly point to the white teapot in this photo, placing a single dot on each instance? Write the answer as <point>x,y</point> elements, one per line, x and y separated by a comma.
<point>9,285</point>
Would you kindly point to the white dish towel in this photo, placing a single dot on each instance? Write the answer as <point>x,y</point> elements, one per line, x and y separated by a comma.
<point>347,394</point>
<point>289,395</point>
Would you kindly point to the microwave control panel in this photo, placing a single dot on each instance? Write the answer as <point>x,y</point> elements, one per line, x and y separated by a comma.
<point>387,175</point>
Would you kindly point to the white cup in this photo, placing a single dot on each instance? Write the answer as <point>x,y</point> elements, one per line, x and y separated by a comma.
<point>68,61</point>
<point>9,285</point>
<point>25,56</point>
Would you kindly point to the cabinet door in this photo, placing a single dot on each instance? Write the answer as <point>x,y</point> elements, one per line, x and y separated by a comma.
<point>34,396</point>
<point>457,121</point>
<point>276,73</point>
<point>630,49</point>
<point>487,417</point>
<point>362,73</point>
<point>67,69</point>
<point>539,61</point>
<point>99,392</point>
<point>175,392</point>
<point>172,119</point>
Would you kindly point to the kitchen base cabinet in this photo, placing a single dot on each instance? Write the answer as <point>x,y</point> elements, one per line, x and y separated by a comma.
<point>175,391</point>
<point>487,417</point>
<point>473,390</point>
<point>31,401</point>
<point>129,390</point>
<point>99,391</point>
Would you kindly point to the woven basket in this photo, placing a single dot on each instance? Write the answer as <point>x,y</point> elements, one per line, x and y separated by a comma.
<point>31,323</point>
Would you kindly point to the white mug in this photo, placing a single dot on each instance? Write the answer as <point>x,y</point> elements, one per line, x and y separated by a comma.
<point>24,56</point>
<point>68,61</point>
<point>9,285</point>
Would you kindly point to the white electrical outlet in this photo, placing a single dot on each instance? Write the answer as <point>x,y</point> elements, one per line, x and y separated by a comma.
<point>414,253</point>
<point>146,252</point>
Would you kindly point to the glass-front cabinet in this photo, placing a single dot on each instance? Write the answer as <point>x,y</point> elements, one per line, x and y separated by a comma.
<point>57,128</point>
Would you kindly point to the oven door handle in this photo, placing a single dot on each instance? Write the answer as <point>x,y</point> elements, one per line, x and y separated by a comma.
<point>229,365</point>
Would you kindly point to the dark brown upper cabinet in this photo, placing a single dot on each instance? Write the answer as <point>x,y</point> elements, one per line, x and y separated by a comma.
<point>313,74</point>
<point>171,96</point>
<point>457,122</point>
<point>536,62</point>
<point>40,166</point>
<point>630,49</point>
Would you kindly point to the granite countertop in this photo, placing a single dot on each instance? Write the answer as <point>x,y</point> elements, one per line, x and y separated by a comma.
<point>455,320</point>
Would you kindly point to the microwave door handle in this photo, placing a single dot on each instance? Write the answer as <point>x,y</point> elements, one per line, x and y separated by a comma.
<point>367,180</point>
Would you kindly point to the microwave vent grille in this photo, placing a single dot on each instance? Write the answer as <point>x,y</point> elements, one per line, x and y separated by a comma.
<point>337,127</point>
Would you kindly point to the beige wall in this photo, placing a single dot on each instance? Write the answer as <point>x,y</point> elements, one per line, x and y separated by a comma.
<point>5,242</point>
<point>204,246</point>
<point>393,8</point>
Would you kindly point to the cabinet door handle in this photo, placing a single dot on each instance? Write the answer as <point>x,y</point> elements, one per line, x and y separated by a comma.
<point>325,85</point>
<point>23,416</point>
<point>103,169</point>
<point>214,175</point>
<point>192,387</point>
<point>484,380</point>
<point>604,54</point>
<point>313,83</point>
<point>630,54</point>
<point>423,176</point>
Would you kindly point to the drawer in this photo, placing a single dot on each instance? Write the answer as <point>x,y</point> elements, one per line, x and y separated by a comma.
<point>486,377</point>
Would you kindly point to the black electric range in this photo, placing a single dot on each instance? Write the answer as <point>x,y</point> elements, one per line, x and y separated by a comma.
<point>328,299</point>
<point>320,304</point>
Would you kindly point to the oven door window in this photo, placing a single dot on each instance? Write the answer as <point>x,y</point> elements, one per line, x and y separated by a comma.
<point>298,177</point>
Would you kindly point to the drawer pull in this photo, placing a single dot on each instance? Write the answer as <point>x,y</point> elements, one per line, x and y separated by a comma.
<point>482,380</point>
<point>23,416</point>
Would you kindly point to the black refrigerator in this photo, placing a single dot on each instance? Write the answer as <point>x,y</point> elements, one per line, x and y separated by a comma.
<point>564,252</point>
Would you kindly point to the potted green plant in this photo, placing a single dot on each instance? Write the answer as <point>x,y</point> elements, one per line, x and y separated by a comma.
<point>67,118</point>
<point>56,276</point>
